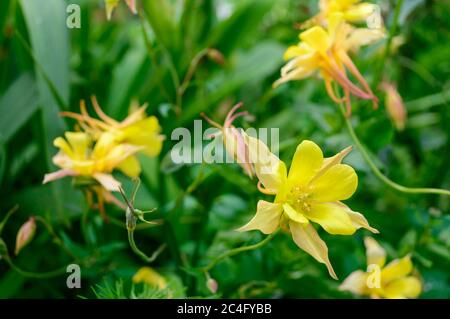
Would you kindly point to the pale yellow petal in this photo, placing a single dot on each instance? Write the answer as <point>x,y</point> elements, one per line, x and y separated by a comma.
<point>409,287</point>
<point>269,169</point>
<point>150,277</point>
<point>104,144</point>
<point>397,268</point>
<point>130,167</point>
<point>306,237</point>
<point>294,215</point>
<point>107,181</point>
<point>358,219</point>
<point>339,182</point>
<point>307,161</point>
<point>375,254</point>
<point>317,38</point>
<point>362,36</point>
<point>333,218</point>
<point>360,12</point>
<point>356,283</point>
<point>62,144</point>
<point>267,218</point>
<point>79,143</point>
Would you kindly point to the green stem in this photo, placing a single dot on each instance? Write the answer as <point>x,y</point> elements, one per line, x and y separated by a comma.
<point>37,275</point>
<point>140,253</point>
<point>238,250</point>
<point>8,215</point>
<point>378,173</point>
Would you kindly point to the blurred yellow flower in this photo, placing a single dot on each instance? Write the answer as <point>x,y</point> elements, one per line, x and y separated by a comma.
<point>233,138</point>
<point>351,10</point>
<point>112,4</point>
<point>394,106</point>
<point>310,192</point>
<point>136,129</point>
<point>77,157</point>
<point>326,51</point>
<point>150,277</point>
<point>392,281</point>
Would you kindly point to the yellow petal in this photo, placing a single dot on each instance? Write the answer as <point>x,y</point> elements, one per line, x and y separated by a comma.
<point>317,38</point>
<point>130,167</point>
<point>356,283</point>
<point>150,277</point>
<point>306,237</point>
<point>62,144</point>
<point>104,145</point>
<point>337,183</point>
<point>333,218</point>
<point>360,12</point>
<point>409,287</point>
<point>307,161</point>
<point>267,218</point>
<point>358,219</point>
<point>362,36</point>
<point>295,51</point>
<point>336,159</point>
<point>396,269</point>
<point>110,5</point>
<point>269,169</point>
<point>145,133</point>
<point>79,143</point>
<point>294,215</point>
<point>375,254</point>
<point>335,20</point>
<point>107,181</point>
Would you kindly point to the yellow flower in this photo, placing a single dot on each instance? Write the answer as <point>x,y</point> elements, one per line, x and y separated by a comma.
<point>77,157</point>
<point>150,277</point>
<point>233,138</point>
<point>326,51</point>
<point>351,10</point>
<point>112,4</point>
<point>310,192</point>
<point>136,129</point>
<point>392,281</point>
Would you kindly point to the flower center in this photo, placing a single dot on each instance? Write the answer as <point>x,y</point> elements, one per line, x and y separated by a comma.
<point>299,198</point>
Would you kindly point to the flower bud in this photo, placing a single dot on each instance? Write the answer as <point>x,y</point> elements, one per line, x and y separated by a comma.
<point>394,106</point>
<point>212,285</point>
<point>25,234</point>
<point>216,56</point>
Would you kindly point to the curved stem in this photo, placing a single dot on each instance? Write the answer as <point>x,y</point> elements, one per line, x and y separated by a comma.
<point>37,275</point>
<point>238,250</point>
<point>139,252</point>
<point>378,173</point>
<point>56,239</point>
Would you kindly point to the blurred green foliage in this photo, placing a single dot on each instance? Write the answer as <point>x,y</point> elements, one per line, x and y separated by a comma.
<point>46,67</point>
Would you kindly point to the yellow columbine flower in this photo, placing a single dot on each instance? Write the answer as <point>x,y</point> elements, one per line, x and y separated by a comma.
<point>77,157</point>
<point>233,138</point>
<point>112,4</point>
<point>136,129</point>
<point>351,10</point>
<point>392,281</point>
<point>310,192</point>
<point>150,277</point>
<point>326,51</point>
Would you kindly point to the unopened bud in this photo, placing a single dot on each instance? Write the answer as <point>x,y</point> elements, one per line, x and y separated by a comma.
<point>25,234</point>
<point>395,106</point>
<point>212,285</point>
<point>216,56</point>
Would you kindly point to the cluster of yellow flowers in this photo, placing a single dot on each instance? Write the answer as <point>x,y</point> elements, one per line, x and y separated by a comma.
<point>324,48</point>
<point>104,145</point>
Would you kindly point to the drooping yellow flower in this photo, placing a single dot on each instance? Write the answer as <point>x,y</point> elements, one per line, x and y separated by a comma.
<point>326,51</point>
<point>351,10</point>
<point>233,138</point>
<point>392,281</point>
<point>150,277</point>
<point>136,129</point>
<point>112,4</point>
<point>77,157</point>
<point>311,192</point>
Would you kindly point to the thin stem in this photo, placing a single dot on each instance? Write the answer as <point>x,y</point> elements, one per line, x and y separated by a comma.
<point>190,73</point>
<point>8,215</point>
<point>238,250</point>
<point>140,253</point>
<point>37,275</point>
<point>378,173</point>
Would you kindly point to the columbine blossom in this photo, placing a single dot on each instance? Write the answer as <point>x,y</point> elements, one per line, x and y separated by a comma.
<point>112,4</point>
<point>233,138</point>
<point>326,51</point>
<point>352,10</point>
<point>391,281</point>
<point>311,192</point>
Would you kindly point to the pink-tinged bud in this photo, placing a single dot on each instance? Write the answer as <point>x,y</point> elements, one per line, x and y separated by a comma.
<point>25,234</point>
<point>212,285</point>
<point>216,56</point>
<point>132,5</point>
<point>395,106</point>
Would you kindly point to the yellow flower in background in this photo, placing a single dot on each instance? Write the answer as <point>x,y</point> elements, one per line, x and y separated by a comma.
<point>391,281</point>
<point>112,4</point>
<point>136,129</point>
<point>233,138</point>
<point>351,10</point>
<point>77,157</point>
<point>394,106</point>
<point>150,277</point>
<point>311,192</point>
<point>326,51</point>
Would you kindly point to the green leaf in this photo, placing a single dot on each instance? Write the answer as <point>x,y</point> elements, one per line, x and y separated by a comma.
<point>17,105</point>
